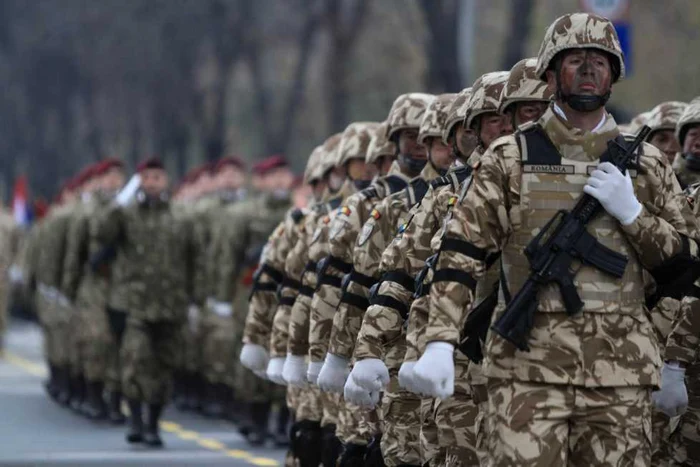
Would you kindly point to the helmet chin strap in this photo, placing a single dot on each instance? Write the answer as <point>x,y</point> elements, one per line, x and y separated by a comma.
<point>579,102</point>
<point>413,165</point>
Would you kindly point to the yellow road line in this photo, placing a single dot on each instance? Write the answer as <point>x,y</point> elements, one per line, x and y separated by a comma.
<point>178,430</point>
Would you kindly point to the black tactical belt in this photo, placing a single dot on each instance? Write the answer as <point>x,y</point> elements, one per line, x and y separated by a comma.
<point>311,266</point>
<point>291,283</point>
<point>306,291</point>
<point>339,264</point>
<point>454,275</point>
<point>275,274</point>
<point>401,278</point>
<point>287,301</point>
<point>327,279</point>
<point>391,302</point>
<point>355,300</point>
<point>362,279</point>
<point>463,247</point>
<point>264,287</point>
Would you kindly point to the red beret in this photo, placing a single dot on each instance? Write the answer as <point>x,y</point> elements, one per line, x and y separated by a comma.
<point>229,160</point>
<point>83,176</point>
<point>107,165</point>
<point>150,163</point>
<point>268,164</point>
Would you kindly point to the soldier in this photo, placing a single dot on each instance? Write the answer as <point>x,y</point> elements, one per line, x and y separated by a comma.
<point>238,240</point>
<point>686,164</point>
<point>604,359</point>
<point>10,234</point>
<point>86,287</point>
<point>156,281</point>
<point>681,368</point>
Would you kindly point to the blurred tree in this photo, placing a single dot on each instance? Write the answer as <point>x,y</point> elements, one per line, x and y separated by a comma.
<point>441,17</point>
<point>519,30</point>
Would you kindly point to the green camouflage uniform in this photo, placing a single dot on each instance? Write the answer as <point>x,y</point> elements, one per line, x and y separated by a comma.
<point>153,282</point>
<point>9,233</point>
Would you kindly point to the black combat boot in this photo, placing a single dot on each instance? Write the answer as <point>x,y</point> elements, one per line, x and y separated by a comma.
<point>214,407</point>
<point>152,434</point>
<point>94,406</point>
<point>353,455</point>
<point>281,435</point>
<point>77,394</point>
<point>195,385</point>
<point>135,432</point>
<point>63,386</point>
<point>115,414</point>
<point>260,416</point>
<point>51,385</point>
<point>180,390</point>
<point>332,447</point>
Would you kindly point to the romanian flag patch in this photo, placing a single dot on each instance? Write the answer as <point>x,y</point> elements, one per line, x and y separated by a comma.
<point>402,228</point>
<point>375,214</point>
<point>344,210</point>
<point>452,201</point>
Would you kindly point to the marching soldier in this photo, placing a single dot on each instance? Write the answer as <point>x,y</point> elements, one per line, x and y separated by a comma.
<point>604,359</point>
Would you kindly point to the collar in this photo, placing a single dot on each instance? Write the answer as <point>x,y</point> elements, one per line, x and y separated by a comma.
<point>562,115</point>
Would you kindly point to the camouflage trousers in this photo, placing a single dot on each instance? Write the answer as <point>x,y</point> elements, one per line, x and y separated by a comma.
<point>192,359</point>
<point>5,291</point>
<point>56,326</point>
<point>683,446</point>
<point>430,449</point>
<point>457,419</point>
<point>400,425</point>
<point>544,425</point>
<point>308,404</point>
<point>96,348</point>
<point>356,425</point>
<point>150,353</point>
<point>219,356</point>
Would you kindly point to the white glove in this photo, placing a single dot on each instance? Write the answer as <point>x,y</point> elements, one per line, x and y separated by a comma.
<point>16,275</point>
<point>254,357</point>
<point>370,374</point>
<point>615,192</point>
<point>360,396</point>
<point>672,398</point>
<point>127,193</point>
<point>406,376</point>
<point>274,370</point>
<point>334,373</point>
<point>313,371</point>
<point>262,374</point>
<point>222,309</point>
<point>434,374</point>
<point>294,371</point>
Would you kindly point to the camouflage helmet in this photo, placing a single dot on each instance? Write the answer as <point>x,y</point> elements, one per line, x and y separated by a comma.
<point>433,123</point>
<point>379,145</point>
<point>524,86</point>
<point>665,116</point>
<point>330,155</point>
<point>355,140</point>
<point>314,166</point>
<point>691,116</point>
<point>407,112</point>
<point>580,31</point>
<point>486,95</point>
<point>638,121</point>
<point>456,113</point>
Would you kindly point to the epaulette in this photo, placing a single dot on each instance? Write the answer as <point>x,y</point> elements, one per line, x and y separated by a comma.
<point>335,202</point>
<point>395,183</point>
<point>419,186</point>
<point>297,215</point>
<point>369,193</point>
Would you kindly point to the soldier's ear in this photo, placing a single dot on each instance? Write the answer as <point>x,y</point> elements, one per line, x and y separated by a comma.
<point>551,80</point>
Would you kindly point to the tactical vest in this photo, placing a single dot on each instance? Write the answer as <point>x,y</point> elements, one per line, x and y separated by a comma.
<point>550,181</point>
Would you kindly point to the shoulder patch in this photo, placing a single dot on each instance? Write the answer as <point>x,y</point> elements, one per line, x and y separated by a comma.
<point>452,201</point>
<point>375,214</point>
<point>366,231</point>
<point>346,211</point>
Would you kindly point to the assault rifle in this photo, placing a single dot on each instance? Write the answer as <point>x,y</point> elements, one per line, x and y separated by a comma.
<point>563,240</point>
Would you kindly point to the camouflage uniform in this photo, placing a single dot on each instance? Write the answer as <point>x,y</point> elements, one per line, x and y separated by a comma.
<point>153,285</point>
<point>237,244</point>
<point>8,251</point>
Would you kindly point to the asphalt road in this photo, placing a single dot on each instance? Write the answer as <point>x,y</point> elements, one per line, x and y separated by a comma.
<point>34,431</point>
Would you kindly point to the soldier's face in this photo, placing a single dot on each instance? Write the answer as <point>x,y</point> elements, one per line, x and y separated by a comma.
<point>528,111</point>
<point>229,177</point>
<point>441,155</point>
<point>667,143</point>
<point>384,164</point>
<point>357,169</point>
<point>492,126</point>
<point>318,187</point>
<point>691,144</point>
<point>409,145</point>
<point>278,179</point>
<point>466,140</point>
<point>113,180</point>
<point>154,182</point>
<point>585,72</point>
